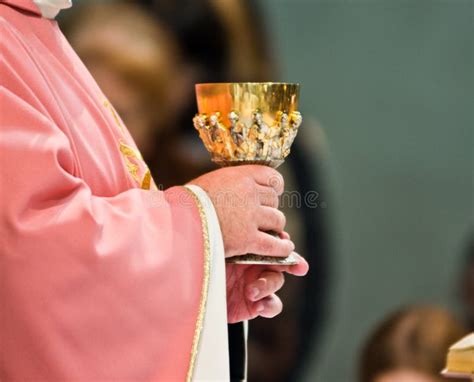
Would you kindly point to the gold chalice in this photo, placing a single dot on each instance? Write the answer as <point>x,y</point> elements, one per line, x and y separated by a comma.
<point>248,123</point>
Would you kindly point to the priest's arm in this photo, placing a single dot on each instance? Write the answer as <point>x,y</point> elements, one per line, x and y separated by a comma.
<point>106,286</point>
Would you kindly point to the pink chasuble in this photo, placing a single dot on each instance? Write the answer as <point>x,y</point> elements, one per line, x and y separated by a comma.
<point>102,277</point>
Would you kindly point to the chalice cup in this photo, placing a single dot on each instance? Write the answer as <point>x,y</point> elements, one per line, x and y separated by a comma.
<point>248,123</point>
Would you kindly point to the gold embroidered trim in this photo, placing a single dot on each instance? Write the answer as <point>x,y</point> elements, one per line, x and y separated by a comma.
<point>129,153</point>
<point>205,286</point>
<point>109,106</point>
<point>146,181</point>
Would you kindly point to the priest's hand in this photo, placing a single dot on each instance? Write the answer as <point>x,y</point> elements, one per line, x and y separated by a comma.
<point>251,289</point>
<point>246,202</point>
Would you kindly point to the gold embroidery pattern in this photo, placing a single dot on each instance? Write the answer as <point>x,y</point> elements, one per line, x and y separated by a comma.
<point>129,155</point>
<point>204,289</point>
<point>109,107</point>
<point>132,157</point>
<point>146,181</point>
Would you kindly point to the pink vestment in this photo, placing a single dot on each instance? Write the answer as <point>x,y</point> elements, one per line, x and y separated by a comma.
<point>102,277</point>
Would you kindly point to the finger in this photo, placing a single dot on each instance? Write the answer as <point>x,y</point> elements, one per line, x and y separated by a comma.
<point>270,219</point>
<point>269,177</point>
<point>269,307</point>
<point>268,283</point>
<point>267,196</point>
<point>299,269</point>
<point>285,235</point>
<point>268,245</point>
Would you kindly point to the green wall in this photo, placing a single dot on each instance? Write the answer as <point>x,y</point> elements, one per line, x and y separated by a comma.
<point>391,83</point>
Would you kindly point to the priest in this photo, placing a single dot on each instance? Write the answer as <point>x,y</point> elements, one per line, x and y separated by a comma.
<point>102,275</point>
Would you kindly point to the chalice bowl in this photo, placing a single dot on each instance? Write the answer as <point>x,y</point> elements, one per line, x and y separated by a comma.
<point>248,123</point>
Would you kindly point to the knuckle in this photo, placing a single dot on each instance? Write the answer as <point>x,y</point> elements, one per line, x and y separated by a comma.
<point>280,308</point>
<point>277,182</point>
<point>251,227</point>
<point>269,197</point>
<point>281,220</point>
<point>281,280</point>
<point>273,198</point>
<point>256,171</point>
<point>274,247</point>
<point>277,281</point>
<point>286,247</point>
<point>265,246</point>
<point>278,220</point>
<point>245,247</point>
<point>271,246</point>
<point>255,218</point>
<point>247,182</point>
<point>276,306</point>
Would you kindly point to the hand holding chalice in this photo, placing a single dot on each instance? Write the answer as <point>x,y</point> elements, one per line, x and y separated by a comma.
<point>248,123</point>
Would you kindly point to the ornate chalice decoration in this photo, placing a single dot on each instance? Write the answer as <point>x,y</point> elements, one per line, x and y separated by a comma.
<point>248,123</point>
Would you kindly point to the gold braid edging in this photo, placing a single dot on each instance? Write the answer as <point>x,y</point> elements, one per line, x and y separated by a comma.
<point>204,289</point>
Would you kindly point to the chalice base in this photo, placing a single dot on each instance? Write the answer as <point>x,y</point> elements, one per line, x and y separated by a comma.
<point>250,258</point>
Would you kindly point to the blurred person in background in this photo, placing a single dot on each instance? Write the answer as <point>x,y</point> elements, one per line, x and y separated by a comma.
<point>467,284</point>
<point>170,47</point>
<point>410,346</point>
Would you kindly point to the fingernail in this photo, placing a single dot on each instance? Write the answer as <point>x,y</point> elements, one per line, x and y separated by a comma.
<point>255,292</point>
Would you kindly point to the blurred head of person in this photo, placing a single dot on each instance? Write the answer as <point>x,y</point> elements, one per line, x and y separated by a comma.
<point>136,63</point>
<point>224,40</point>
<point>220,40</point>
<point>410,346</point>
<point>467,284</point>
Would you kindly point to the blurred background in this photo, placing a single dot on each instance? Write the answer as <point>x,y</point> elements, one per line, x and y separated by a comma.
<point>387,143</point>
<point>391,82</point>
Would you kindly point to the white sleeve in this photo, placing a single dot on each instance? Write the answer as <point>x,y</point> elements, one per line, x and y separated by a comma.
<point>212,361</point>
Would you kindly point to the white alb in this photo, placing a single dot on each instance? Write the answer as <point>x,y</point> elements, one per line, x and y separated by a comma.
<point>50,8</point>
<point>212,361</point>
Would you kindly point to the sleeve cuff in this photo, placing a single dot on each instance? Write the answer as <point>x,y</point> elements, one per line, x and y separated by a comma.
<point>212,360</point>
